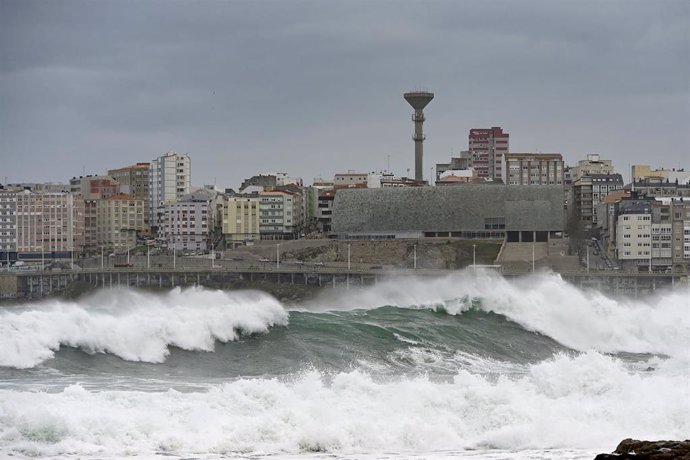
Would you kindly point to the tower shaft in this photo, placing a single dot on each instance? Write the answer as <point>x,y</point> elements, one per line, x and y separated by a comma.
<point>418,138</point>
<point>418,100</point>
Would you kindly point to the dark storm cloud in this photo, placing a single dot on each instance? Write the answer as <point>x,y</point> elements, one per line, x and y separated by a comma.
<point>315,87</point>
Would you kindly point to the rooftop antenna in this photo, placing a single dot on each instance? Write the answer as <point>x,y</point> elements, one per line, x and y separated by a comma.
<point>418,100</point>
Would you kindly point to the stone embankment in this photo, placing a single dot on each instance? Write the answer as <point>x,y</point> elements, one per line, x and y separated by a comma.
<point>431,253</point>
<point>632,449</point>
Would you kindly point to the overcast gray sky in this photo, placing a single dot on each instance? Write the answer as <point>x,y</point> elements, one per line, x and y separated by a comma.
<point>312,88</point>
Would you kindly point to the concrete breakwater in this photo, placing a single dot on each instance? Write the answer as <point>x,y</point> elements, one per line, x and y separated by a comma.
<point>302,282</point>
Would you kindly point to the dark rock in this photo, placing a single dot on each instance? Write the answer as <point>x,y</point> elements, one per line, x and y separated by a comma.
<point>632,449</point>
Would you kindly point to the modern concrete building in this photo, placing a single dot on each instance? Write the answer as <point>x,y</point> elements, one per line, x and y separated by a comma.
<point>519,213</point>
<point>241,219</point>
<point>169,180</point>
<point>533,169</point>
<point>487,148</point>
<point>119,219</point>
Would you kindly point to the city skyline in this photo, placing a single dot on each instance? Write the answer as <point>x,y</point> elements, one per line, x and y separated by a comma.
<point>312,90</point>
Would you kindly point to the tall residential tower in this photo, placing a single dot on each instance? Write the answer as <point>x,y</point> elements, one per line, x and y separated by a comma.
<point>487,149</point>
<point>169,180</point>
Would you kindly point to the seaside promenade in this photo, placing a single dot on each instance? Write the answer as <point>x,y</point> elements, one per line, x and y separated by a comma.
<point>33,284</point>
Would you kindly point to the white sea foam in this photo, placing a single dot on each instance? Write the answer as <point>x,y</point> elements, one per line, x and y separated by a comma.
<point>134,325</point>
<point>590,401</point>
<point>580,319</point>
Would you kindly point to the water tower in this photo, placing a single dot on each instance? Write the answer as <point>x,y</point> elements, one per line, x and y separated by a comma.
<point>418,100</point>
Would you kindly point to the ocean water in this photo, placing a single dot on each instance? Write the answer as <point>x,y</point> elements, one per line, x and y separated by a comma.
<point>469,366</point>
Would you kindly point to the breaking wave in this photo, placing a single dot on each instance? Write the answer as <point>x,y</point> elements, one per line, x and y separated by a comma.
<point>134,325</point>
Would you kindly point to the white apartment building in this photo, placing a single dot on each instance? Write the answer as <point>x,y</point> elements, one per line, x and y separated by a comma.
<point>634,234</point>
<point>662,248</point>
<point>241,219</point>
<point>50,222</point>
<point>188,223</point>
<point>169,180</point>
<point>118,221</point>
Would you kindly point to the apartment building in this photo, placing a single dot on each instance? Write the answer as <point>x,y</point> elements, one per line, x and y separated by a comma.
<point>680,234</point>
<point>188,223</point>
<point>48,223</point>
<point>8,221</point>
<point>133,180</point>
<point>533,169</point>
<point>588,191</point>
<point>169,179</point>
<point>607,212</point>
<point>94,187</point>
<point>324,211</point>
<point>642,172</point>
<point>487,148</point>
<point>661,188</point>
<point>592,165</point>
<point>241,219</point>
<point>119,219</point>
<point>634,233</point>
<point>350,179</point>
<point>458,162</point>
<point>278,211</point>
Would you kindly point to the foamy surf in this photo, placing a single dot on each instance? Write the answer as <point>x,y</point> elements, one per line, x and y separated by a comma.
<point>569,402</point>
<point>134,325</point>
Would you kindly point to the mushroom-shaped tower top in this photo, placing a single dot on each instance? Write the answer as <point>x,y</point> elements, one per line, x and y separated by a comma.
<point>418,99</point>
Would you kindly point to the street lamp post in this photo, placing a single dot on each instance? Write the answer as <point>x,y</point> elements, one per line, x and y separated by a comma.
<point>474,257</point>
<point>277,256</point>
<point>348,257</point>
<point>102,261</point>
<point>148,256</point>
<point>415,256</point>
<point>533,257</point>
<point>587,257</point>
